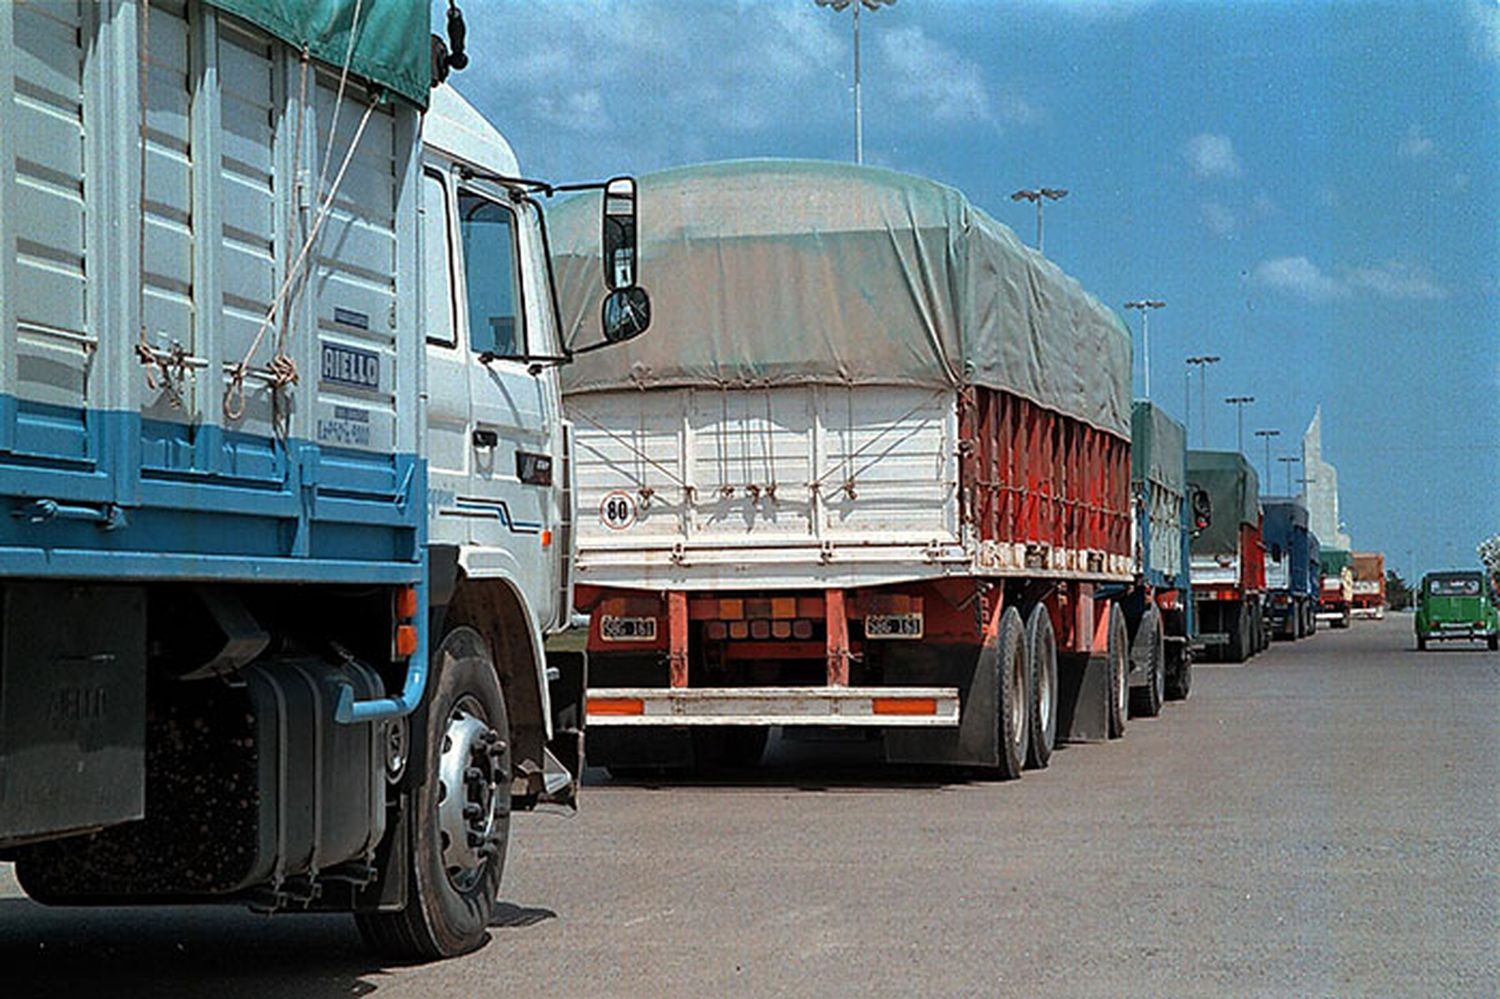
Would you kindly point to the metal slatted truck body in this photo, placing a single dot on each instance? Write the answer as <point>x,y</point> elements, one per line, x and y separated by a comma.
<point>1159,608</point>
<point>1228,559</point>
<point>227,256</point>
<point>873,462</point>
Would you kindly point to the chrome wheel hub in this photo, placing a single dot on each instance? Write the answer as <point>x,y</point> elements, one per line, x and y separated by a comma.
<point>470,780</point>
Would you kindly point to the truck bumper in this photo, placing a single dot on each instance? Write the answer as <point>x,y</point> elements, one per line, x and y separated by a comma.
<point>876,707</point>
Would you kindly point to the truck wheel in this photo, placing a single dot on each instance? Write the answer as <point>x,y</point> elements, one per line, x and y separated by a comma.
<point>1494,643</point>
<point>460,810</point>
<point>1240,637</point>
<point>1118,653</point>
<point>1011,701</point>
<point>1421,643</point>
<point>1145,700</point>
<point>1179,673</point>
<point>1041,652</point>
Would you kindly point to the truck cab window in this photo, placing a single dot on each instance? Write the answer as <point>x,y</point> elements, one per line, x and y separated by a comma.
<point>488,230</point>
<point>437,258</point>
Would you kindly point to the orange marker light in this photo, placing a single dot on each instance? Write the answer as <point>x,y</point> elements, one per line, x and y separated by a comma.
<point>406,640</point>
<point>406,603</point>
<point>615,707</point>
<point>546,539</point>
<point>904,706</point>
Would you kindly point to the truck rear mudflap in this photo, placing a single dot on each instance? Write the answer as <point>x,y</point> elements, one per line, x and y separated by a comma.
<point>883,707</point>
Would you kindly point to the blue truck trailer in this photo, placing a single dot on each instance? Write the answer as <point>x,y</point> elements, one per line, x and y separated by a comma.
<point>285,495</point>
<point>1159,608</point>
<point>1292,585</point>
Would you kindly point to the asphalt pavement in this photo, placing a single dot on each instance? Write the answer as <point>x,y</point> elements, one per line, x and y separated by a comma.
<point>1322,821</point>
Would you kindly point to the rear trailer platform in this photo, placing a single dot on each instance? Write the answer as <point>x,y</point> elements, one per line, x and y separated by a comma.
<point>883,707</point>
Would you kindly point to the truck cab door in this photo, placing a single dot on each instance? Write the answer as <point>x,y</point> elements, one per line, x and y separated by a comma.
<point>449,419</point>
<point>515,437</point>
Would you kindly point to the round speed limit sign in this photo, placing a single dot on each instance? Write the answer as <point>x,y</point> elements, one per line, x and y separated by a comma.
<point>617,510</point>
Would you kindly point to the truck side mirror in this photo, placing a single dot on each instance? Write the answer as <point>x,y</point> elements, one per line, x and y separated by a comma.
<point>1202,508</point>
<point>625,315</point>
<point>619,234</point>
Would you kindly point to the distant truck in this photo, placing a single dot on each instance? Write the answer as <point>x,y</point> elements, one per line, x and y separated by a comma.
<point>1457,606</point>
<point>1168,512</point>
<point>1369,584</point>
<point>285,495</point>
<point>1291,578</point>
<point>1336,604</point>
<point>861,480</point>
<point>1228,558</point>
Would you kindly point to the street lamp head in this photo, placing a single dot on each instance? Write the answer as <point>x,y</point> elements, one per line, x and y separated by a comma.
<point>1025,196</point>
<point>1145,303</point>
<point>1268,433</point>
<point>1239,400</point>
<point>1055,193</point>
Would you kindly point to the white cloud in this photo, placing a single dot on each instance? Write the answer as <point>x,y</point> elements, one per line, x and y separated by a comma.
<point>1392,280</point>
<point>1298,276</point>
<point>1219,219</point>
<point>1211,155</point>
<point>1484,28</point>
<point>1415,146</point>
<point>1395,279</point>
<point>927,73</point>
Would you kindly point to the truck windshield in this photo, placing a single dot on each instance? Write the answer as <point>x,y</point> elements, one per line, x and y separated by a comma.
<point>1461,586</point>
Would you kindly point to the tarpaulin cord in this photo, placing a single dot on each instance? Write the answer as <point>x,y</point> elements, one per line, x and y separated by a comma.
<point>629,447</point>
<point>769,443</point>
<point>282,367</point>
<point>848,460</point>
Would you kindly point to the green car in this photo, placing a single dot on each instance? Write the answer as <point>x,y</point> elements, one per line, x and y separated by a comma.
<point>1456,605</point>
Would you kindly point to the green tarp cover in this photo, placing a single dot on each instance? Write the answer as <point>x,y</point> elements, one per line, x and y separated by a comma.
<point>1335,561</point>
<point>1233,491</point>
<point>783,272</point>
<point>392,43</point>
<point>1158,447</point>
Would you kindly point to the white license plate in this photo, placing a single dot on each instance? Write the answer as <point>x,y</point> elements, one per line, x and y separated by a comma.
<point>908,626</point>
<point>627,629</point>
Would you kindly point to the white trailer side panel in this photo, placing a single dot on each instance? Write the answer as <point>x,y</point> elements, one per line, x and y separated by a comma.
<point>758,487</point>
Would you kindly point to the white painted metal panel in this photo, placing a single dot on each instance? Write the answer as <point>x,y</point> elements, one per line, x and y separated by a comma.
<point>832,706</point>
<point>802,477</point>
<point>44,136</point>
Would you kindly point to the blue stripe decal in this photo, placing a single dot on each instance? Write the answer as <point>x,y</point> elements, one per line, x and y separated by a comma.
<point>501,511</point>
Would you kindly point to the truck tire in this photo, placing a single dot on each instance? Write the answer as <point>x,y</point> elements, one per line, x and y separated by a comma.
<point>1179,681</point>
<point>1421,643</point>
<point>1011,701</point>
<point>1240,637</point>
<point>1118,653</point>
<point>460,821</point>
<point>1145,699</point>
<point>1494,643</point>
<point>1041,653</point>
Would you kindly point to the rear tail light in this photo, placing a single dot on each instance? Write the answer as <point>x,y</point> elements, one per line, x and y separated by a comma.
<point>404,608</point>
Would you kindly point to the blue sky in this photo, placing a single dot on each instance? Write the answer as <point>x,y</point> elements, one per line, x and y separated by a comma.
<point>1314,188</point>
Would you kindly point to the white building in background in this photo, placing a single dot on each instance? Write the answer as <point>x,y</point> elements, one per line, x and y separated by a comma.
<point>1322,489</point>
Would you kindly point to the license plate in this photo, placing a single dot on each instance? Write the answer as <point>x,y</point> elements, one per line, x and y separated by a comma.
<point>627,629</point>
<point>908,626</point>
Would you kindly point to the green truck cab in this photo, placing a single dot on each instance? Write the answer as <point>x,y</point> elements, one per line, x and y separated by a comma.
<point>1457,605</point>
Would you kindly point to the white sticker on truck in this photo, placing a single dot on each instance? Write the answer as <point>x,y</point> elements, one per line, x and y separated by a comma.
<point>617,510</point>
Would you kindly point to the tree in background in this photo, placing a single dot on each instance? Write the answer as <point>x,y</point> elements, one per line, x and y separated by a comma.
<point>1489,554</point>
<point>1397,593</point>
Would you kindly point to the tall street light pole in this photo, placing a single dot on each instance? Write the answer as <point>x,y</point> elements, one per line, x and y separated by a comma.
<point>1038,195</point>
<point>1239,402</point>
<point>1202,361</point>
<point>859,118</point>
<point>1288,460</point>
<point>1145,305</point>
<point>1268,434</point>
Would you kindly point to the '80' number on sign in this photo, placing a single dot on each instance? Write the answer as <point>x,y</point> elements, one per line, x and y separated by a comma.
<point>617,510</point>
